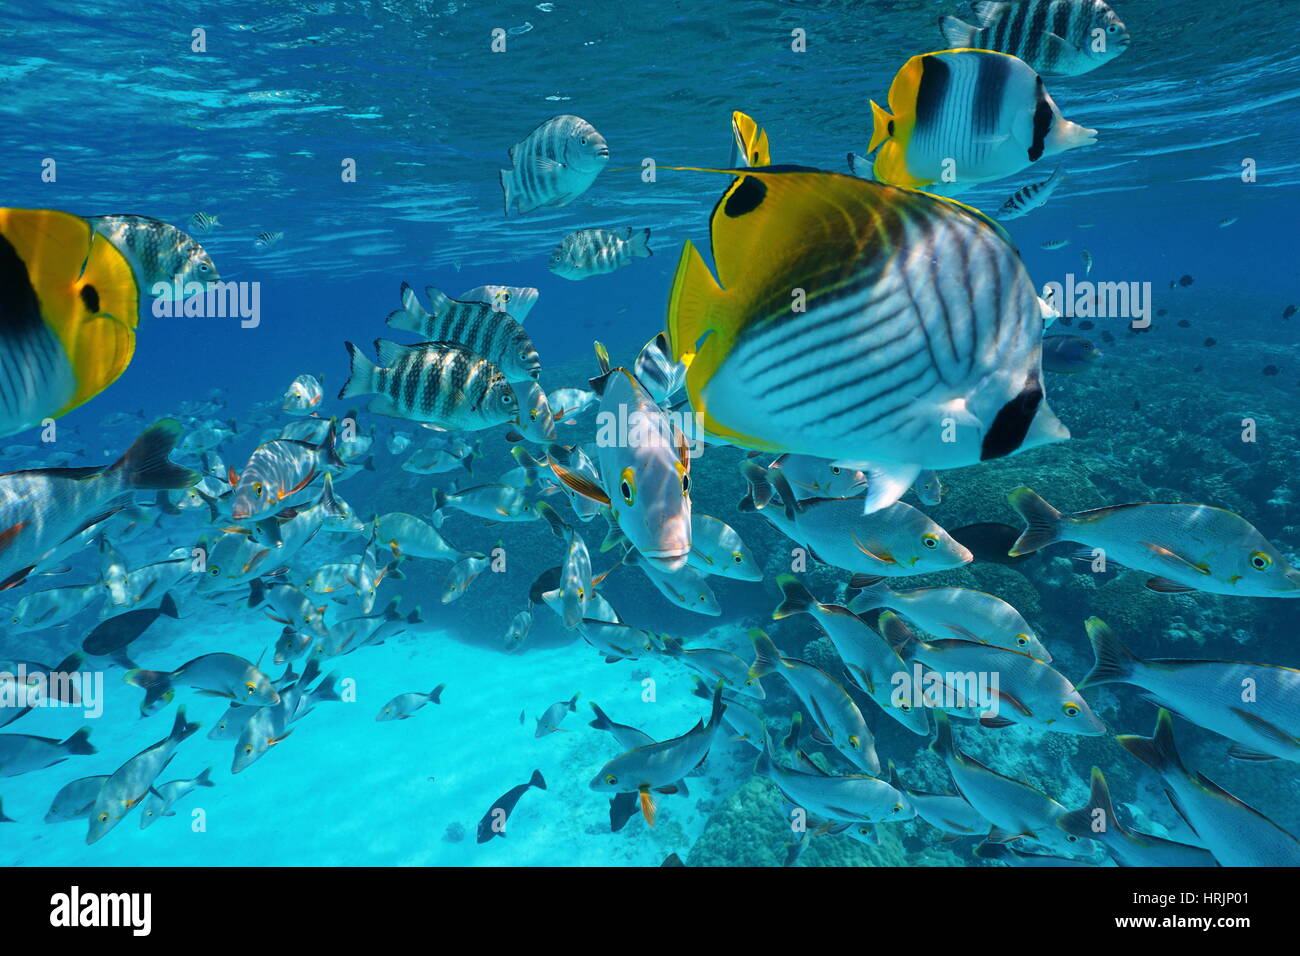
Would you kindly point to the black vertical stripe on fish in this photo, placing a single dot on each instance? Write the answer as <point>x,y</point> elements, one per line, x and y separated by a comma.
<point>931,91</point>
<point>1017,30</point>
<point>1042,123</point>
<point>1009,428</point>
<point>1037,25</point>
<point>1062,16</point>
<point>990,88</point>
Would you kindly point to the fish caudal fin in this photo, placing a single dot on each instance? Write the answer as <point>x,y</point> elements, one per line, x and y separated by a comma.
<point>1082,822</point>
<point>639,244</point>
<point>537,780</point>
<point>411,315</point>
<point>766,656</point>
<point>1114,662</point>
<point>79,743</point>
<point>1159,752</point>
<point>958,34</point>
<point>882,126</point>
<point>145,464</point>
<point>361,374</point>
<point>1043,523</point>
<point>435,695</point>
<point>182,728</point>
<point>796,599</point>
<point>943,744</point>
<point>868,591</point>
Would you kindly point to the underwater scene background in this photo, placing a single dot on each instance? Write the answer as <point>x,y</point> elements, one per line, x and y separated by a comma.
<point>1191,187</point>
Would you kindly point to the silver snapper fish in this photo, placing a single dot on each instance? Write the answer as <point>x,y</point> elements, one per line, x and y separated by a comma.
<point>537,423</point>
<point>54,606</point>
<point>409,537</point>
<point>568,403</point>
<point>1098,821</point>
<point>462,575</point>
<point>1014,686</point>
<point>1235,832</point>
<point>895,541</point>
<point>435,459</point>
<point>1055,37</point>
<point>715,664</point>
<point>687,588</point>
<point>831,707</point>
<point>131,782</point>
<point>158,253</point>
<point>576,459</point>
<point>659,767</point>
<point>594,252</point>
<point>958,613</point>
<point>219,674</point>
<point>554,715</point>
<point>74,800</point>
<point>491,502</point>
<point>517,300</point>
<point>645,471</point>
<point>41,509</point>
<point>852,798</point>
<point>869,660</point>
<point>554,164</point>
<point>1013,807</point>
<point>162,798</point>
<point>280,473</point>
<point>403,706</point>
<point>1189,547</point>
<point>929,489</point>
<point>1210,694</point>
<point>478,327</point>
<point>21,753</point>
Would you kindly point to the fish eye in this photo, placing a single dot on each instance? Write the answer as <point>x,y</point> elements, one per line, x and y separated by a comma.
<point>1260,561</point>
<point>532,415</point>
<point>686,483</point>
<point>835,470</point>
<point>214,570</point>
<point>1112,29</point>
<point>257,488</point>
<point>248,748</point>
<point>1071,709</point>
<point>252,688</point>
<point>203,267</point>
<point>627,485</point>
<point>584,141</point>
<point>855,742</point>
<point>897,808</point>
<point>738,557</point>
<point>930,540</point>
<point>1071,838</point>
<point>103,817</point>
<point>610,778</point>
<point>905,708</point>
<point>508,399</point>
<point>1022,640</point>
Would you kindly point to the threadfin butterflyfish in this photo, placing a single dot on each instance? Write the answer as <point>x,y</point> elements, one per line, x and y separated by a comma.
<point>69,306</point>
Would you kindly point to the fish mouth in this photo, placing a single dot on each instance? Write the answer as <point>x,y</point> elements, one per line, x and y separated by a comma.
<point>666,559</point>
<point>603,151</point>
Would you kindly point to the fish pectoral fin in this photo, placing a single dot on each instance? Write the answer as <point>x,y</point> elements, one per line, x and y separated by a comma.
<point>670,789</point>
<point>1265,728</point>
<point>1016,704</point>
<point>10,535</point>
<point>648,808</point>
<point>579,484</point>
<point>883,556</point>
<point>1174,560</point>
<point>1166,586</point>
<point>1238,752</point>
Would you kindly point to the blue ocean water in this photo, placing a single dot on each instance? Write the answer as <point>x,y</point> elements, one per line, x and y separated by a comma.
<point>256,129</point>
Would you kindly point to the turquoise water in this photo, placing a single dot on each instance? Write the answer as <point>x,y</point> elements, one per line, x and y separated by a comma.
<point>256,130</point>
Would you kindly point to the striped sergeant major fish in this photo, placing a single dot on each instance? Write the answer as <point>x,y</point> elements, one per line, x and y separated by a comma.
<point>1055,37</point>
<point>1028,198</point>
<point>440,383</point>
<point>476,325</point>
<point>554,164</point>
<point>853,377</point>
<point>974,115</point>
<point>594,252</point>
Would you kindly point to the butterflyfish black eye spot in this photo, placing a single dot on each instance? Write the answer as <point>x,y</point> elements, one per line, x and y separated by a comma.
<point>90,297</point>
<point>746,197</point>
